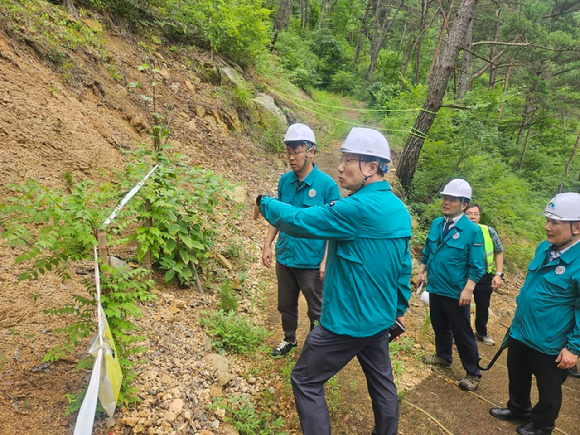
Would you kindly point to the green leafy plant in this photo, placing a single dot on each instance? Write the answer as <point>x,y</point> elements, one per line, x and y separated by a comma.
<point>179,201</point>
<point>233,332</point>
<point>241,412</point>
<point>228,301</point>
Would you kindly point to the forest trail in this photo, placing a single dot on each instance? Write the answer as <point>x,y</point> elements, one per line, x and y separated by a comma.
<point>436,396</point>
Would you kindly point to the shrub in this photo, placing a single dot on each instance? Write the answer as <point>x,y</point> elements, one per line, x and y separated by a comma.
<point>233,332</point>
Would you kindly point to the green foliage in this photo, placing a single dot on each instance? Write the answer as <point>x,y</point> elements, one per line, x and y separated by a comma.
<point>343,82</point>
<point>228,301</point>
<point>239,29</point>
<point>181,203</point>
<point>241,412</point>
<point>233,332</point>
<point>52,226</point>
<point>298,59</point>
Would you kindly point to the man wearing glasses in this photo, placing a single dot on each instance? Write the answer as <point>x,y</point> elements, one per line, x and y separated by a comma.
<point>366,288</point>
<point>299,262</point>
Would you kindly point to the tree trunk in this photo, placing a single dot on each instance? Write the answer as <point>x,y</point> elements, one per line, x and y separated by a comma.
<point>282,17</point>
<point>465,63</point>
<point>304,5</point>
<point>363,26</point>
<point>424,8</point>
<point>492,51</point>
<point>71,8</point>
<point>524,148</point>
<point>444,28</point>
<point>505,88</point>
<point>382,36</point>
<point>436,92</point>
<point>569,162</point>
<point>322,10</point>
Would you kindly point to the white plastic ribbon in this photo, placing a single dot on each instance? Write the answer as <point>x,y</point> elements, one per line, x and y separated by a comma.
<point>130,195</point>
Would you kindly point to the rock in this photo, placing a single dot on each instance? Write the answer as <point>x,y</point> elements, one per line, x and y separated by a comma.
<point>179,303</point>
<point>206,432</point>
<point>263,109</point>
<point>220,412</point>
<point>228,429</point>
<point>239,194</point>
<point>170,416</point>
<point>175,87</point>
<point>129,421</point>
<point>165,74</point>
<point>176,406</point>
<point>173,309</point>
<point>215,391</point>
<point>119,264</point>
<point>190,87</point>
<point>221,366</point>
<point>138,122</point>
<point>230,77</point>
<point>165,379</point>
<point>224,261</point>
<point>95,26</point>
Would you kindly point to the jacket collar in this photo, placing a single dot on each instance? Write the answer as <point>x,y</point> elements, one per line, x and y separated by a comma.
<point>309,179</point>
<point>373,187</point>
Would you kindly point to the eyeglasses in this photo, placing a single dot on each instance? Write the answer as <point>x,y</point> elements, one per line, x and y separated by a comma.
<point>294,153</point>
<point>472,213</point>
<point>345,160</point>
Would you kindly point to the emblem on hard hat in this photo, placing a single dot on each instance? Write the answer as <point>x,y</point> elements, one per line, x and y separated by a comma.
<point>312,193</point>
<point>560,270</point>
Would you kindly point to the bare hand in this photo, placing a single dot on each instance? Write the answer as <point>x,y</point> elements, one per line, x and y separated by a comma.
<point>422,278</point>
<point>322,270</point>
<point>496,282</point>
<point>465,297</point>
<point>267,256</point>
<point>566,360</point>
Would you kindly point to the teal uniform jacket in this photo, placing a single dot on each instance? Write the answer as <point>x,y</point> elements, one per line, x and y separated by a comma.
<point>450,262</point>
<point>317,189</point>
<point>368,268</point>
<point>548,313</point>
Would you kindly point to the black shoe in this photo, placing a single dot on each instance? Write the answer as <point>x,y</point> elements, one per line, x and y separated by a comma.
<point>529,429</point>
<point>507,415</point>
<point>283,348</point>
<point>573,372</point>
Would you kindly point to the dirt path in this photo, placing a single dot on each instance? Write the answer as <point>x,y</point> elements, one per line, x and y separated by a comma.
<point>432,403</point>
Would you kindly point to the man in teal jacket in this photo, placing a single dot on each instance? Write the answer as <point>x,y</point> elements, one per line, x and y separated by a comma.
<point>454,260</point>
<point>299,262</point>
<point>366,287</point>
<point>544,338</point>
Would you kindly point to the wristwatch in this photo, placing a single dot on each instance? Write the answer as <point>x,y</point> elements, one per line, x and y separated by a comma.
<point>500,274</point>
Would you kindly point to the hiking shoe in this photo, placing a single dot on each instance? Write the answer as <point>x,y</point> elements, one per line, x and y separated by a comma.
<point>507,415</point>
<point>436,360</point>
<point>470,382</point>
<point>486,339</point>
<point>283,348</point>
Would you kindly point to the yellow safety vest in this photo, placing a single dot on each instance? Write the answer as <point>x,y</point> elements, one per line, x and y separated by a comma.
<point>488,245</point>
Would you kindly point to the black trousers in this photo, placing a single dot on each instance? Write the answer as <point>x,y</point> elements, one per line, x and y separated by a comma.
<point>523,362</point>
<point>482,295</point>
<point>291,281</point>
<point>449,320</point>
<point>323,355</point>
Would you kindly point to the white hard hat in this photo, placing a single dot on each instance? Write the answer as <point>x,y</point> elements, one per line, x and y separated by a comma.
<point>564,207</point>
<point>458,188</point>
<point>367,142</point>
<point>299,133</point>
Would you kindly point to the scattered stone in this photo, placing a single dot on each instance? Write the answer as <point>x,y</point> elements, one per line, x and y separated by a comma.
<point>129,421</point>
<point>239,194</point>
<point>263,109</point>
<point>221,366</point>
<point>165,379</point>
<point>224,261</point>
